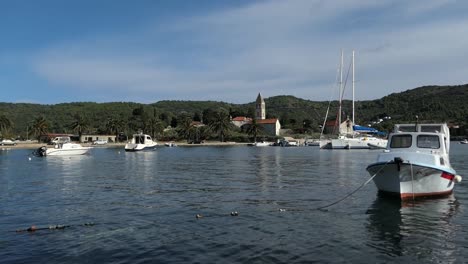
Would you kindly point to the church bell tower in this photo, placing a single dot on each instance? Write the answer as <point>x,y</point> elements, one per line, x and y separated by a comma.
<point>260,108</point>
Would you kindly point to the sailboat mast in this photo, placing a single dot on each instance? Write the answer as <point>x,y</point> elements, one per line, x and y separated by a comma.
<point>353,87</point>
<point>341,92</point>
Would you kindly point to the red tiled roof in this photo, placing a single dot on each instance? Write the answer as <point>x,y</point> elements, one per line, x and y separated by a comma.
<point>241,118</point>
<point>267,121</point>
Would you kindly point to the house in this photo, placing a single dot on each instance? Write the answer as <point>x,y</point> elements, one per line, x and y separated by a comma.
<point>270,126</point>
<point>241,120</point>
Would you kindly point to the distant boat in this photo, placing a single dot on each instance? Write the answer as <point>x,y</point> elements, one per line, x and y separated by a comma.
<point>416,162</point>
<point>170,144</point>
<point>313,143</point>
<point>140,142</point>
<point>262,144</point>
<point>65,148</point>
<point>465,141</point>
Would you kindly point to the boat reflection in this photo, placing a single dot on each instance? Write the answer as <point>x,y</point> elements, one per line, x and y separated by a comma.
<point>420,229</point>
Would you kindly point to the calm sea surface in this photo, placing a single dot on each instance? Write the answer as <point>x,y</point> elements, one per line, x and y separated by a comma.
<point>144,205</point>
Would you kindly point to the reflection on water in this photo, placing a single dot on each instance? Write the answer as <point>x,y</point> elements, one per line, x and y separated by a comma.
<point>145,203</point>
<point>416,230</point>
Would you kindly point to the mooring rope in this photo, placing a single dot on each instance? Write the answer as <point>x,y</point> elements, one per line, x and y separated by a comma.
<point>198,216</point>
<point>353,192</point>
<point>34,228</point>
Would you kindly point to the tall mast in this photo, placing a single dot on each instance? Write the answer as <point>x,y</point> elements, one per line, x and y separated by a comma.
<point>353,87</point>
<point>341,91</point>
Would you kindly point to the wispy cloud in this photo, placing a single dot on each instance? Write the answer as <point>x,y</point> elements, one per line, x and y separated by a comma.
<point>273,47</point>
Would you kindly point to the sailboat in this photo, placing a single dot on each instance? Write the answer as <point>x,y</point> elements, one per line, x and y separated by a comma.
<point>352,136</point>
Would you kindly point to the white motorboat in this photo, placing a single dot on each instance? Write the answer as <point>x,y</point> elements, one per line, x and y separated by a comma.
<point>465,141</point>
<point>170,144</point>
<point>415,162</point>
<point>261,144</point>
<point>66,148</point>
<point>140,142</point>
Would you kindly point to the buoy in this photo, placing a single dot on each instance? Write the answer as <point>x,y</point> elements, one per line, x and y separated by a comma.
<point>458,178</point>
<point>29,158</point>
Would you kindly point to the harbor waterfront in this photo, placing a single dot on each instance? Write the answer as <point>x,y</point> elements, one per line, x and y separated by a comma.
<point>255,205</point>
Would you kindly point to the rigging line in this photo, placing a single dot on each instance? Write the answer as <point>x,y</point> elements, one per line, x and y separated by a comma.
<point>329,102</point>
<point>346,80</point>
<point>353,192</point>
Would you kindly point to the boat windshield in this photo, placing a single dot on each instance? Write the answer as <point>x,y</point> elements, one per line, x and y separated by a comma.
<point>428,141</point>
<point>401,141</point>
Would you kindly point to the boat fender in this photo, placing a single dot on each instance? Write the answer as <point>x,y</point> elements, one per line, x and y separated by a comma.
<point>458,178</point>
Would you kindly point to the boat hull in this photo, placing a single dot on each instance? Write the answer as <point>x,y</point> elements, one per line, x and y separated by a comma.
<point>67,152</point>
<point>358,143</point>
<point>139,147</point>
<point>411,181</point>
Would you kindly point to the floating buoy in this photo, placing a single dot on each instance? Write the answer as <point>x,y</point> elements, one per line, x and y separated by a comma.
<point>234,213</point>
<point>458,178</point>
<point>29,158</point>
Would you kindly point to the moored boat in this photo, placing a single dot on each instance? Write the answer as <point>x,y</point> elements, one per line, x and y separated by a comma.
<point>415,162</point>
<point>140,142</point>
<point>66,148</point>
<point>261,144</point>
<point>465,141</point>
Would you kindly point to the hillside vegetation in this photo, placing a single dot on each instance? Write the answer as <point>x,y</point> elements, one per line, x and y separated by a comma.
<point>430,103</point>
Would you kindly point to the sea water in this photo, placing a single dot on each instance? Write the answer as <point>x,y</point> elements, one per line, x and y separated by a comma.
<point>254,205</point>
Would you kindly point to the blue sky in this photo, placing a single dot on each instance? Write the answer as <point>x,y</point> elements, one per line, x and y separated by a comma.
<point>55,51</point>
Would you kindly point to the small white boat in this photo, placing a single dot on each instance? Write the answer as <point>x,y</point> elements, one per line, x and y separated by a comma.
<point>261,144</point>
<point>465,141</point>
<point>313,143</point>
<point>170,144</point>
<point>140,142</point>
<point>416,162</point>
<point>66,148</point>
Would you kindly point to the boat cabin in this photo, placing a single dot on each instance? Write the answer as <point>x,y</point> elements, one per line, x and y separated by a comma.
<point>420,137</point>
<point>141,139</point>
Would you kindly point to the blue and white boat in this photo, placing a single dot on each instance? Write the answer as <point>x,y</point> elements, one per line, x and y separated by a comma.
<point>415,162</point>
<point>140,142</point>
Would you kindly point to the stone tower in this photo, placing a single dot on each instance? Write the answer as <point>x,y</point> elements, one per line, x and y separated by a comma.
<point>259,108</point>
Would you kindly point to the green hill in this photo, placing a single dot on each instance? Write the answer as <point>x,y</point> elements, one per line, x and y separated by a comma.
<point>430,103</point>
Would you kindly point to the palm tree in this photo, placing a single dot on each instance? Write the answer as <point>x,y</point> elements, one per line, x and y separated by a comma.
<point>40,127</point>
<point>254,129</point>
<point>221,124</point>
<point>80,125</point>
<point>186,129</point>
<point>153,126</point>
<point>5,124</point>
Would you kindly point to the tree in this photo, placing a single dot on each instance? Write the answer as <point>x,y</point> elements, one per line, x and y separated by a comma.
<point>254,129</point>
<point>153,126</point>
<point>40,127</point>
<point>5,124</point>
<point>185,129</point>
<point>80,125</point>
<point>221,124</point>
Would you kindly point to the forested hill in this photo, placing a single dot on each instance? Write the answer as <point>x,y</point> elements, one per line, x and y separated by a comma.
<point>430,103</point>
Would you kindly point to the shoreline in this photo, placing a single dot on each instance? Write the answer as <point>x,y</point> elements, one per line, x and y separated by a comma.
<point>23,145</point>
